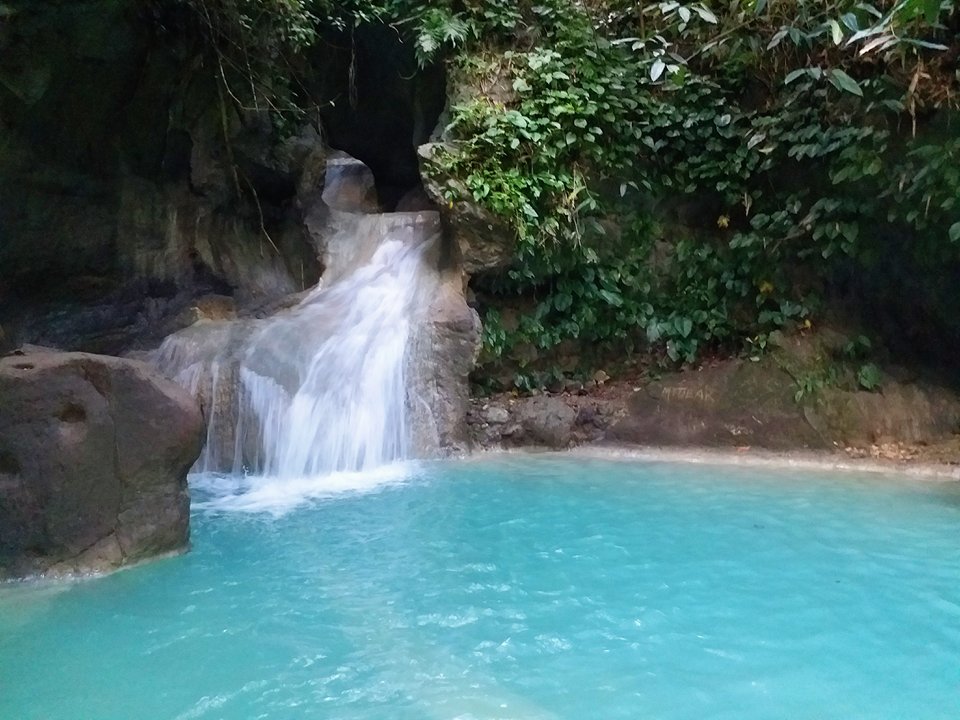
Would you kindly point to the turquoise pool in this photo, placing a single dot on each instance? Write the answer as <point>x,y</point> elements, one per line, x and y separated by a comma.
<point>542,586</point>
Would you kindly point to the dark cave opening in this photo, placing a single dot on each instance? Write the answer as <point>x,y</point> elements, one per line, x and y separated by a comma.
<point>378,104</point>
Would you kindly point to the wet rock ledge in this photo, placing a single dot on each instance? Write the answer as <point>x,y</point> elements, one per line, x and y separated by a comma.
<point>94,453</point>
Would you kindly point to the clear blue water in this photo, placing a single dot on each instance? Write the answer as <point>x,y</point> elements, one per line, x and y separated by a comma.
<point>518,587</point>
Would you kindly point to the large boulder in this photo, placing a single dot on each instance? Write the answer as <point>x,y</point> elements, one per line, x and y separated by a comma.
<point>349,185</point>
<point>545,420</point>
<point>540,421</point>
<point>485,242</point>
<point>94,453</point>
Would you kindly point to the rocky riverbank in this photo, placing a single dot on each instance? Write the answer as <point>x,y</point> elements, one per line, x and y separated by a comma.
<point>744,405</point>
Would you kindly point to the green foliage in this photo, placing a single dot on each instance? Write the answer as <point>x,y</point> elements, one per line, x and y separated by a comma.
<point>869,377</point>
<point>257,43</point>
<point>626,116</point>
<point>439,28</point>
<point>857,348</point>
<point>810,384</point>
<point>843,370</point>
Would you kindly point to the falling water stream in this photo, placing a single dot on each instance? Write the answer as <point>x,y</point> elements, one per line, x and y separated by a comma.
<point>319,387</point>
<point>347,411</point>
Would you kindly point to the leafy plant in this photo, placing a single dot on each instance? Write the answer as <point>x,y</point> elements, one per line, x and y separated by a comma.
<point>810,385</point>
<point>630,110</point>
<point>857,348</point>
<point>869,377</point>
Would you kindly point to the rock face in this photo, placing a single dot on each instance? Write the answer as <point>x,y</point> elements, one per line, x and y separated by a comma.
<point>542,421</point>
<point>741,403</point>
<point>229,363</point>
<point>349,185</point>
<point>377,103</point>
<point>443,356</point>
<point>94,453</point>
<point>546,421</point>
<point>736,404</point>
<point>114,222</point>
<point>485,243</point>
<point>903,413</point>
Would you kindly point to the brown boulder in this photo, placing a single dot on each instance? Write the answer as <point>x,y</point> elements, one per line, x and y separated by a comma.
<point>543,420</point>
<point>94,453</point>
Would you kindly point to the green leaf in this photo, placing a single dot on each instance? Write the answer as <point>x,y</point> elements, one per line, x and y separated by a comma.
<point>851,231</point>
<point>954,232</point>
<point>777,37</point>
<point>882,42</point>
<point>653,332</point>
<point>794,75</point>
<point>868,32</point>
<point>705,14</point>
<point>924,44</point>
<point>611,298</point>
<point>835,32</point>
<point>844,82</point>
<point>656,70</point>
<point>869,377</point>
<point>931,10</point>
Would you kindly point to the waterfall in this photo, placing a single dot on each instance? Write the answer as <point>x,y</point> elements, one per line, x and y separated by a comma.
<point>349,409</point>
<point>319,387</point>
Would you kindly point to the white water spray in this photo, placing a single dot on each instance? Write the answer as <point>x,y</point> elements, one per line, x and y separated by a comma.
<point>318,388</point>
<point>348,412</point>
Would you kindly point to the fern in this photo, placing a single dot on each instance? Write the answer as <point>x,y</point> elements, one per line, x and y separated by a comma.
<point>439,28</point>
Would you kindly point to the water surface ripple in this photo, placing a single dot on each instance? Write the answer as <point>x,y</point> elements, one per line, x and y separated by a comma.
<point>517,587</point>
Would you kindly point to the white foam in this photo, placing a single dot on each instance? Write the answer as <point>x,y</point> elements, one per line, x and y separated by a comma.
<point>277,495</point>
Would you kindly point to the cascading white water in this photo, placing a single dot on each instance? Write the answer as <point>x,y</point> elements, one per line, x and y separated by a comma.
<point>320,387</point>
<point>348,412</point>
